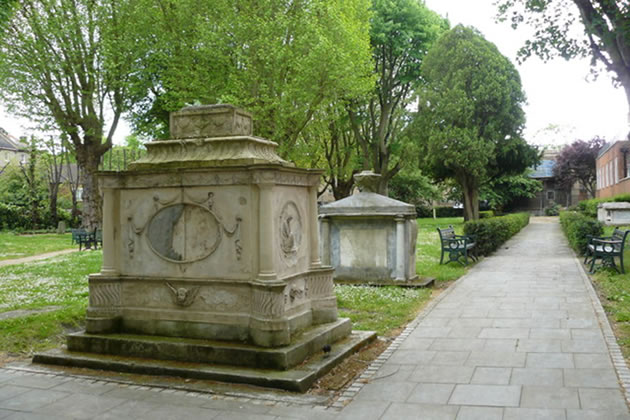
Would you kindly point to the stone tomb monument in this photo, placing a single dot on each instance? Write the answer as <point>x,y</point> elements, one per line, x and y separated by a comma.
<point>614,214</point>
<point>211,255</point>
<point>370,238</point>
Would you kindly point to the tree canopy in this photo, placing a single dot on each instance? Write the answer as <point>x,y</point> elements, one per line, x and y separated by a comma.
<point>66,64</point>
<point>576,163</point>
<point>283,60</point>
<point>470,115</point>
<point>401,34</point>
<point>604,34</point>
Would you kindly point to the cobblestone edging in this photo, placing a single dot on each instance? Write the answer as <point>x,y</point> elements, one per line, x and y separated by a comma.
<point>349,393</point>
<point>619,363</point>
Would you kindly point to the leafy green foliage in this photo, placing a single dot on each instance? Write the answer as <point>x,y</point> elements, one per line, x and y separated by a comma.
<point>413,187</point>
<point>602,31</point>
<point>401,34</point>
<point>284,61</point>
<point>505,190</point>
<point>470,116</point>
<point>491,233</point>
<point>577,227</point>
<point>380,309</point>
<point>67,64</point>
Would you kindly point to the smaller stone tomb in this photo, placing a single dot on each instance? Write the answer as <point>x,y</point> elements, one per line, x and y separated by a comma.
<point>614,214</point>
<point>369,238</point>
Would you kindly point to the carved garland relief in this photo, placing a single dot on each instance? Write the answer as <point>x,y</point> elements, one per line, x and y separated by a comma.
<point>184,232</point>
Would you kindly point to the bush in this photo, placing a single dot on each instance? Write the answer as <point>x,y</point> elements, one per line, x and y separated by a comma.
<point>490,233</point>
<point>577,227</point>
<point>445,211</point>
<point>589,207</point>
<point>486,214</point>
<point>553,210</point>
<point>13,217</point>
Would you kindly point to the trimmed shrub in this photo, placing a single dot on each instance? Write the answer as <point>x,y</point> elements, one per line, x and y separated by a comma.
<point>589,207</point>
<point>553,210</point>
<point>577,227</point>
<point>486,214</point>
<point>490,233</point>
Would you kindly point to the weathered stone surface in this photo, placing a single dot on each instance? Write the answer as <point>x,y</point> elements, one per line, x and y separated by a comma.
<point>614,214</point>
<point>368,237</point>
<point>298,379</point>
<point>197,246</point>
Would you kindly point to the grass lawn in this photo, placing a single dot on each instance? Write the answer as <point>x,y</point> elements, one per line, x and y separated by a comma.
<point>380,309</point>
<point>59,281</point>
<point>428,249</point>
<point>614,291</point>
<point>18,246</point>
<point>62,281</point>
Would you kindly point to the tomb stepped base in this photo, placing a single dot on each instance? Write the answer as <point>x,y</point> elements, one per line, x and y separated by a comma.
<point>297,379</point>
<point>309,342</point>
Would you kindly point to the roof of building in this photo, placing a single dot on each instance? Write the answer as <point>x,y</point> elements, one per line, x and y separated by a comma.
<point>606,147</point>
<point>8,142</point>
<point>544,169</point>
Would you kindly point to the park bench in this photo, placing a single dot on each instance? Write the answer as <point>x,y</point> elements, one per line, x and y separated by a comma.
<point>457,246</point>
<point>75,235</point>
<point>90,239</point>
<point>606,248</point>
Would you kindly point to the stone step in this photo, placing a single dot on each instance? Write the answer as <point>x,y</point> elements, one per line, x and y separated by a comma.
<point>309,342</point>
<point>298,379</point>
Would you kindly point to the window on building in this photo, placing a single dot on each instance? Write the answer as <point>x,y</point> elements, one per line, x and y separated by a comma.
<point>616,171</point>
<point>626,164</point>
<point>551,195</point>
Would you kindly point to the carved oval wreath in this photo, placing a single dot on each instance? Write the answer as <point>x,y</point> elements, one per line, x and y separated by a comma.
<point>184,233</point>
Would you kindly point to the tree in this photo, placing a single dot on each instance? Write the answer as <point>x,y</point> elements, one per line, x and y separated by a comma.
<point>605,35</point>
<point>67,64</point>
<point>503,191</point>
<point>470,115</point>
<point>576,163</point>
<point>401,33</point>
<point>53,160</point>
<point>283,60</point>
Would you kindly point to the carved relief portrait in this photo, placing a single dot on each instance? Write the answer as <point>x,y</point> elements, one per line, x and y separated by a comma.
<point>290,232</point>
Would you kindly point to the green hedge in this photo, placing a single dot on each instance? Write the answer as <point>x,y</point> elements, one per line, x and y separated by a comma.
<point>490,233</point>
<point>589,207</point>
<point>577,227</point>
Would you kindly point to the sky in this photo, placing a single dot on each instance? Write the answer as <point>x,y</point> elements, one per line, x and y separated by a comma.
<point>558,92</point>
<point>562,104</point>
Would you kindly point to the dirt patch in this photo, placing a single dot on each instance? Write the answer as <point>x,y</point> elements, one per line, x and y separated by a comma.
<point>351,368</point>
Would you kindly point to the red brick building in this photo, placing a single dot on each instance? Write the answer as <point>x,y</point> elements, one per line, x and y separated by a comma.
<point>613,169</point>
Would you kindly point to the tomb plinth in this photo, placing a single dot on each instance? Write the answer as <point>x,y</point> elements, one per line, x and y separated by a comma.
<point>211,238</point>
<point>368,237</point>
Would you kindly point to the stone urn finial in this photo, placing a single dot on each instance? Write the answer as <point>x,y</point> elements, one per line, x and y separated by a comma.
<point>367,181</point>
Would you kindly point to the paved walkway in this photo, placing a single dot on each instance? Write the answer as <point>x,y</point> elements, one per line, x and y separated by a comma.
<point>37,257</point>
<point>519,337</point>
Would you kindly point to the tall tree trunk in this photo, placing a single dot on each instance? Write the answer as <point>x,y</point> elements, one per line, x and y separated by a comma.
<point>471,199</point>
<point>52,205</point>
<point>88,160</point>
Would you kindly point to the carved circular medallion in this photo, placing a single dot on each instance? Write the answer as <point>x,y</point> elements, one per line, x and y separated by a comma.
<point>290,232</point>
<point>184,233</point>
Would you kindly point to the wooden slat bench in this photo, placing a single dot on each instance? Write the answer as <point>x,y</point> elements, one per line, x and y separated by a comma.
<point>606,248</point>
<point>457,246</point>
